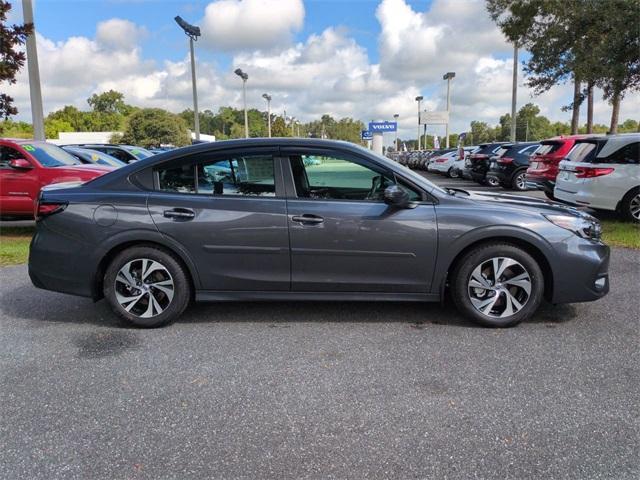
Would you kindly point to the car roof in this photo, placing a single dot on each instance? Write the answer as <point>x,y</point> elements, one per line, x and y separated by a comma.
<point>611,143</point>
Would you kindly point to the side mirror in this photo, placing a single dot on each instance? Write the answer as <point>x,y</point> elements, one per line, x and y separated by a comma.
<point>20,164</point>
<point>396,197</point>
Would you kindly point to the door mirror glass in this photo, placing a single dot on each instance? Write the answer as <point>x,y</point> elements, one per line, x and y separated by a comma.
<point>20,164</point>
<point>396,197</point>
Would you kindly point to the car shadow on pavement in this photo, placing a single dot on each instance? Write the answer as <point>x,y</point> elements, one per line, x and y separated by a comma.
<point>44,307</point>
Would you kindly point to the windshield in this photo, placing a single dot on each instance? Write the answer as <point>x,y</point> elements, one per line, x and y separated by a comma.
<point>582,152</point>
<point>139,152</point>
<point>50,155</point>
<point>406,171</point>
<point>94,156</point>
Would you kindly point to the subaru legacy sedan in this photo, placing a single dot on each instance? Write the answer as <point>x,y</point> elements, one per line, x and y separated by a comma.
<point>301,219</point>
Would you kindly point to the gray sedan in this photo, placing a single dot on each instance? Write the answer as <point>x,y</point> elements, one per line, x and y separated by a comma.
<point>301,219</point>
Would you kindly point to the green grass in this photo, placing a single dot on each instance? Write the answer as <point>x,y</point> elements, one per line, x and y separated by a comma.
<point>14,245</point>
<point>621,234</point>
<point>14,241</point>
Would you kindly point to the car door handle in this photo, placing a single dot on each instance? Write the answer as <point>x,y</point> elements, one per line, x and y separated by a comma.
<point>179,214</point>
<point>307,218</point>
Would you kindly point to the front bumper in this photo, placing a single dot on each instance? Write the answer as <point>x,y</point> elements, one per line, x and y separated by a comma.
<point>581,271</point>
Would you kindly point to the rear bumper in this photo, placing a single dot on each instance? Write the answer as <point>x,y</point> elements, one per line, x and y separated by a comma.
<point>540,184</point>
<point>50,267</point>
<point>582,272</point>
<point>478,176</point>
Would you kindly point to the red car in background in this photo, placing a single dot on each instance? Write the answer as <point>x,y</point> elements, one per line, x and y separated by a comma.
<point>543,164</point>
<point>26,166</point>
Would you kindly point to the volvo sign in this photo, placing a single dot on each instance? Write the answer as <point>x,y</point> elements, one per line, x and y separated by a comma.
<point>383,126</point>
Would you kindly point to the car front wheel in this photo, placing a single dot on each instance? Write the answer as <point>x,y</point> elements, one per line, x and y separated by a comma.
<point>147,286</point>
<point>520,181</point>
<point>497,285</point>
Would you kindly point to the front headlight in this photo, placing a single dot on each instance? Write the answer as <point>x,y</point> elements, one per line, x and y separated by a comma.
<point>583,227</point>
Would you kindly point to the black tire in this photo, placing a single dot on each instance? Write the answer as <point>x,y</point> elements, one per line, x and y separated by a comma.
<point>549,195</point>
<point>461,290</point>
<point>629,204</point>
<point>173,307</point>
<point>451,174</point>
<point>491,181</point>
<point>515,181</point>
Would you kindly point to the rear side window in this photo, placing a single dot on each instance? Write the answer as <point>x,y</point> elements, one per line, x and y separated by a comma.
<point>547,148</point>
<point>583,152</point>
<point>239,176</point>
<point>627,155</point>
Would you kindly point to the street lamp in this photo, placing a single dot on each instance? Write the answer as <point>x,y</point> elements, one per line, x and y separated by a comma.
<point>448,76</point>
<point>193,32</point>
<point>419,99</point>
<point>244,78</point>
<point>395,117</point>
<point>268,99</point>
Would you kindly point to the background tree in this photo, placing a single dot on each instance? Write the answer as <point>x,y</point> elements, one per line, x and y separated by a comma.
<point>152,127</point>
<point>11,59</point>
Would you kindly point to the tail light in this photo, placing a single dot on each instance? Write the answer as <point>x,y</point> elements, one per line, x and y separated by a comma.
<point>505,160</point>
<point>441,160</point>
<point>45,209</point>
<point>591,172</point>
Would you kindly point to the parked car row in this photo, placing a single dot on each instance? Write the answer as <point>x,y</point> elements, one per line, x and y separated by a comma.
<point>26,166</point>
<point>595,171</point>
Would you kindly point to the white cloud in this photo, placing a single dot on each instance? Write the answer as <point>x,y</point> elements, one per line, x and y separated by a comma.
<point>232,25</point>
<point>119,34</point>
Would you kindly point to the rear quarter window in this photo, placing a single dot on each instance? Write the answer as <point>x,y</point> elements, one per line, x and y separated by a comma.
<point>626,155</point>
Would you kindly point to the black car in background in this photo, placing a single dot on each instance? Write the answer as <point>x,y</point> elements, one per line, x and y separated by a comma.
<point>508,167</point>
<point>124,153</point>
<point>477,164</point>
<point>86,155</point>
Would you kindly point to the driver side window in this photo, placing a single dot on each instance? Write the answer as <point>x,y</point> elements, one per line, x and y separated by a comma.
<point>329,177</point>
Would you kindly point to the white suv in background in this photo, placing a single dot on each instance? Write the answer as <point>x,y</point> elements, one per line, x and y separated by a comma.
<point>450,163</point>
<point>603,173</point>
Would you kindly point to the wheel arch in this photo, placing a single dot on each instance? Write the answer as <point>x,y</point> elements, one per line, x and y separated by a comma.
<point>108,253</point>
<point>528,246</point>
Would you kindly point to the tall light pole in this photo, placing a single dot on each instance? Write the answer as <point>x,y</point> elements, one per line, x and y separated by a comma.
<point>268,99</point>
<point>193,32</point>
<point>37,115</point>
<point>244,78</point>
<point>419,99</point>
<point>395,117</point>
<point>448,76</point>
<point>514,92</point>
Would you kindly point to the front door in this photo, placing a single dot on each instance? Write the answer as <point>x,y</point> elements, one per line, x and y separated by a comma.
<point>18,188</point>
<point>229,212</point>
<point>344,237</point>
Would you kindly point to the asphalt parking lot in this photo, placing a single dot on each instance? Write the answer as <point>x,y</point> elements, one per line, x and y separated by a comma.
<point>319,390</point>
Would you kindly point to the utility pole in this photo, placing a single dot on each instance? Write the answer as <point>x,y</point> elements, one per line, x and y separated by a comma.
<point>267,97</point>
<point>448,76</point>
<point>244,78</point>
<point>193,32</point>
<point>419,100</point>
<point>37,115</point>
<point>514,92</point>
<point>395,117</point>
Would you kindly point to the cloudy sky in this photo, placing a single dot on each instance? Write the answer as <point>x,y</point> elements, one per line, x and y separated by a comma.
<point>367,59</point>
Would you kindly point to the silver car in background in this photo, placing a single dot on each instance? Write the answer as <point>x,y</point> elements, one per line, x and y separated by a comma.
<point>604,174</point>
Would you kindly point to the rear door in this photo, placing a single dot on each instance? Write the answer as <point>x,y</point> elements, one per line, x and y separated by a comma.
<point>228,210</point>
<point>344,238</point>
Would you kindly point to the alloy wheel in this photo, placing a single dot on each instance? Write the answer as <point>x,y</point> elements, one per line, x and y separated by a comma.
<point>499,287</point>
<point>492,181</point>
<point>144,287</point>
<point>521,183</point>
<point>634,207</point>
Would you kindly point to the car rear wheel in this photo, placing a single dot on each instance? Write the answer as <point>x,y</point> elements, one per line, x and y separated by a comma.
<point>492,181</point>
<point>147,286</point>
<point>631,205</point>
<point>453,173</point>
<point>519,181</point>
<point>497,285</point>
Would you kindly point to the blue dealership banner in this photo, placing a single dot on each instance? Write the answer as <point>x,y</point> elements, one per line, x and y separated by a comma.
<point>366,135</point>
<point>383,126</point>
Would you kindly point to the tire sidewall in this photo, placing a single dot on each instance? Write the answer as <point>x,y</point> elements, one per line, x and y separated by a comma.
<point>514,183</point>
<point>182,288</point>
<point>470,261</point>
